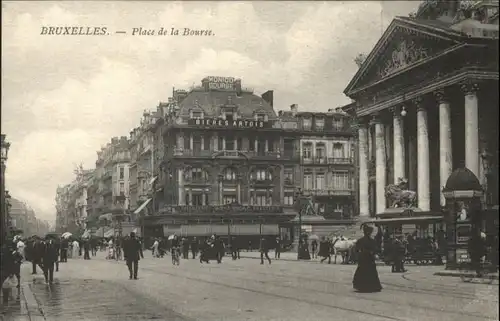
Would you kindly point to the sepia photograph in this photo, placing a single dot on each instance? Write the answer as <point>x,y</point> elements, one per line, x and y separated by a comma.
<point>249,160</point>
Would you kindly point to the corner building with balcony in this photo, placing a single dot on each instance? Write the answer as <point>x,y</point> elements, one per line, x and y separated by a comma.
<point>326,156</point>
<point>224,161</point>
<point>426,100</point>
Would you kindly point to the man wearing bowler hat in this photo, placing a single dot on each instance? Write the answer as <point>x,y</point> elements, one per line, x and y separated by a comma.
<point>132,251</point>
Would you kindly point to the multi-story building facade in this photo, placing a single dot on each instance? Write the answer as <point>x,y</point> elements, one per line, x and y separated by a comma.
<point>62,202</point>
<point>113,174</point>
<point>223,162</point>
<point>114,163</point>
<point>23,219</point>
<point>233,166</point>
<point>142,164</point>
<point>426,104</point>
<point>326,161</point>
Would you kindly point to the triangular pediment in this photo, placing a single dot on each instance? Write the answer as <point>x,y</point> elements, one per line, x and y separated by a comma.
<point>403,45</point>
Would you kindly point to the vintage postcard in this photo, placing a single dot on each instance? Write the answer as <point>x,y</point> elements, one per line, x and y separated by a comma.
<point>249,160</point>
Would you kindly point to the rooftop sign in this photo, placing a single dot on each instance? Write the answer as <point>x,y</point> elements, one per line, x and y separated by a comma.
<point>219,122</point>
<point>220,83</point>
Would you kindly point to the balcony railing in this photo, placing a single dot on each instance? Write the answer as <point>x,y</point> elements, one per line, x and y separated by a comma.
<point>180,152</point>
<point>328,192</point>
<point>221,209</point>
<point>263,155</point>
<point>328,160</point>
<point>197,181</point>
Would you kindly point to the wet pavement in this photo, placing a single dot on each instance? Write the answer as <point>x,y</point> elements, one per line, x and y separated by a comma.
<point>241,290</point>
<point>15,309</point>
<point>90,299</point>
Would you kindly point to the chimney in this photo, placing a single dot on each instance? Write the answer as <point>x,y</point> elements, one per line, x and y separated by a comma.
<point>268,96</point>
<point>237,87</point>
<point>205,83</point>
<point>294,108</point>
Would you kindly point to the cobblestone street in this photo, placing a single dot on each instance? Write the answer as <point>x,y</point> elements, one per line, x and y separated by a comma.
<point>245,290</point>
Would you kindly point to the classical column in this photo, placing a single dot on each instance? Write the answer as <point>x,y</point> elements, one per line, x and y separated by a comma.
<point>190,197</point>
<point>191,141</point>
<point>256,144</point>
<point>204,198</point>
<point>423,189</point>
<point>399,146</point>
<point>238,191</point>
<point>445,149</point>
<point>471,128</point>
<point>364,201</point>
<point>380,165</point>
<point>215,142</point>
<point>370,143</point>
<point>182,198</point>
<point>221,192</point>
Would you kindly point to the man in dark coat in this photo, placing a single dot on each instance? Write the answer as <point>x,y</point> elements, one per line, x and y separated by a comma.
<point>194,247</point>
<point>64,250</point>
<point>86,249</point>
<point>277,252</point>
<point>399,251</point>
<point>218,248</point>
<point>49,258</point>
<point>35,252</point>
<point>132,252</point>
<point>185,248</point>
<point>264,251</point>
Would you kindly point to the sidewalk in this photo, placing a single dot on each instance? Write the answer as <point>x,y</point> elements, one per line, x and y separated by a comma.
<point>23,306</point>
<point>457,273</point>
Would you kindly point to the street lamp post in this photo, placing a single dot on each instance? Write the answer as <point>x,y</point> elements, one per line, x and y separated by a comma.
<point>5,145</point>
<point>298,204</point>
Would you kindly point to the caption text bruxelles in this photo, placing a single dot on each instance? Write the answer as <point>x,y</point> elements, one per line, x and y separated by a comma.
<point>139,31</point>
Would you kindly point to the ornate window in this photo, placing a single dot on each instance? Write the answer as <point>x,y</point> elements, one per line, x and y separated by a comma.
<point>341,181</point>
<point>229,174</point>
<point>197,175</point>
<point>307,151</point>
<point>338,150</point>
<point>338,124</point>
<point>308,181</point>
<point>306,123</point>
<point>320,123</point>
<point>320,151</point>
<point>261,175</point>
<point>320,181</point>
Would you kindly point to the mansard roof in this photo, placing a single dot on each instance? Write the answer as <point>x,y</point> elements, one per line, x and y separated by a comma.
<point>211,102</point>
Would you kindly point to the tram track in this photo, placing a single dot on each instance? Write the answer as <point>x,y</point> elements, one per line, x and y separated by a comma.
<point>434,291</point>
<point>280,296</point>
<point>316,291</point>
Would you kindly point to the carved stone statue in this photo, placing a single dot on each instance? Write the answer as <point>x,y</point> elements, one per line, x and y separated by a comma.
<point>399,195</point>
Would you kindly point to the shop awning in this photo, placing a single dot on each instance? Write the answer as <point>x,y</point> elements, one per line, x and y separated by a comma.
<point>407,219</point>
<point>143,205</point>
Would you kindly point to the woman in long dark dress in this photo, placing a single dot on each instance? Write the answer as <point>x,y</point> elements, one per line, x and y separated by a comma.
<point>366,276</point>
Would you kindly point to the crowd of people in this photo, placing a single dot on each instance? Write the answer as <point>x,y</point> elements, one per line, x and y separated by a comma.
<point>208,248</point>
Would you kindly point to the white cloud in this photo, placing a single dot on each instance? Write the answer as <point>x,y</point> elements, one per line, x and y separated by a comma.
<point>65,96</point>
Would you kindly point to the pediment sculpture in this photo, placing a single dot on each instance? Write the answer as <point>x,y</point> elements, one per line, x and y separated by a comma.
<point>399,195</point>
<point>405,54</point>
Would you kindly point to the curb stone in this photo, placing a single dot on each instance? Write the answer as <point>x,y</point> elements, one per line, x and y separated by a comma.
<point>34,311</point>
<point>460,274</point>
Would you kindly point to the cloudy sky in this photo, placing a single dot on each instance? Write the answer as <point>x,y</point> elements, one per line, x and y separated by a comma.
<point>63,97</point>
